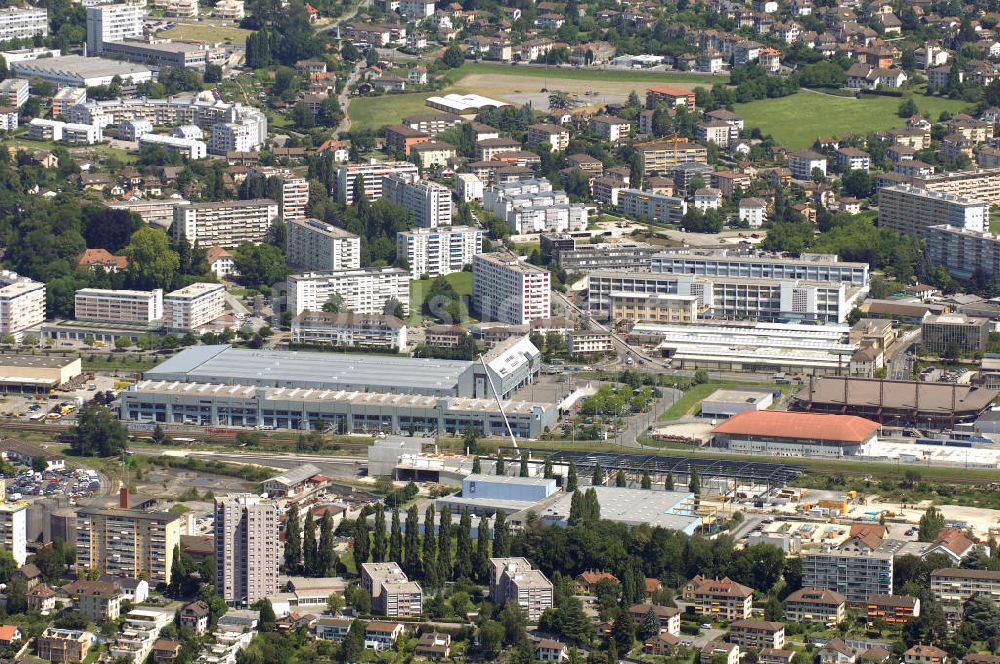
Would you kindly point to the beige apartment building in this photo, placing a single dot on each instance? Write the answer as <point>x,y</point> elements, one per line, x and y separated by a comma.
<point>627,307</point>
<point>817,605</point>
<point>225,223</point>
<point>316,245</point>
<point>757,634</point>
<point>64,645</point>
<point>393,594</point>
<point>660,157</point>
<point>127,542</point>
<point>952,584</point>
<point>508,290</point>
<point>118,306</point>
<point>194,305</point>
<point>723,599</point>
<point>349,330</point>
<point>513,579</point>
<point>909,210</point>
<point>982,184</point>
<point>22,303</point>
<point>247,548</point>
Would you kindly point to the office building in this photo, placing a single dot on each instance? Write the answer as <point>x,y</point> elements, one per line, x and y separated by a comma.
<point>118,306</point>
<point>956,585</point>
<point>963,252</point>
<point>314,245</point>
<point>514,580</point>
<point>633,308</point>
<point>167,53</point>
<point>247,548</point>
<point>23,23</point>
<point>194,305</point>
<point>724,263</point>
<point>722,599</point>
<point>429,202</point>
<point>945,332</point>
<point>854,574</point>
<point>508,290</point>
<point>225,223</point>
<point>910,211</point>
<point>371,176</point>
<point>112,23</point>
<point>185,147</point>
<point>127,542</point>
<point>393,594</point>
<point>364,290</point>
<point>78,71</point>
<point>13,530</point>
<point>660,157</point>
<point>438,251</point>
<point>817,605</point>
<point>606,256</point>
<point>22,303</point>
<point>732,298</point>
<point>14,92</point>
<point>647,206</point>
<point>349,330</point>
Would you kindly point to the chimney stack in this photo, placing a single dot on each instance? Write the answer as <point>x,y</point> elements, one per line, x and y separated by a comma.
<point>123,497</point>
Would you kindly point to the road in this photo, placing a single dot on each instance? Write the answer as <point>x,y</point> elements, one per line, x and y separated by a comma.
<point>900,362</point>
<point>333,466</point>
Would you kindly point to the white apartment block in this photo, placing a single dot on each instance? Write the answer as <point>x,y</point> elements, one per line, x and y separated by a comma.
<point>13,530</point>
<point>70,132</point>
<point>468,187</point>
<point>247,548</point>
<point>648,206</point>
<point>194,305</point>
<point>22,303</point>
<point>532,206</point>
<point>186,147</point>
<point>23,22</point>
<point>349,330</point>
<point>294,198</point>
<point>438,251</point>
<point>112,23</point>
<point>554,135</point>
<point>508,290</point>
<point>225,223</point>
<point>802,163</point>
<point>513,579</point>
<point>911,211</point>
<point>229,10</point>
<point>154,211</point>
<point>118,306</point>
<point>753,211</point>
<point>956,585</point>
<point>429,202</point>
<point>14,92</point>
<point>371,175</point>
<point>8,118</point>
<point>365,291</point>
<point>316,246</point>
<point>393,594</point>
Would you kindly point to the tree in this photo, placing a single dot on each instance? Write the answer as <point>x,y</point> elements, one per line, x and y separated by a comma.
<point>694,482</point>
<point>379,542</point>
<point>524,464</point>
<point>359,598</point>
<point>213,73</point>
<point>982,614</point>
<point>647,482</point>
<point>500,470</point>
<point>453,56</point>
<point>571,481</point>
<point>491,635</point>
<point>444,545</point>
<point>477,467</point>
<point>309,546</point>
<point>930,524</point>
<point>354,644</point>
<point>482,562</point>
<point>620,480</point>
<point>362,542</point>
<point>7,566</point>
<point>514,622</point>
<point>907,108</point>
<point>598,477</point>
<point>501,536</point>
<point>335,304</point>
<point>547,469</point>
<point>411,559</point>
<point>395,538</point>
<point>159,436</point>
<point>293,541</point>
<point>430,549</point>
<point>260,264</point>
<point>326,556</point>
<point>98,433</point>
<point>463,547</point>
<point>151,261</point>
<point>267,620</point>
<point>650,624</point>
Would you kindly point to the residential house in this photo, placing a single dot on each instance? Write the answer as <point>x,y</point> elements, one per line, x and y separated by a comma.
<point>382,635</point>
<point>433,645</point>
<point>549,650</point>
<point>835,651</point>
<point>925,654</point>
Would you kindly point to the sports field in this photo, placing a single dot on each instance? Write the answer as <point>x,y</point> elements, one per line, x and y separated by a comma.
<point>206,32</point>
<point>798,120</point>
<point>519,85</point>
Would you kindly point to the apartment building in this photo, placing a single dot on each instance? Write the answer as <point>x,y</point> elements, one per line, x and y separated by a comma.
<point>68,132</point>
<point>349,330</point>
<point>97,600</point>
<point>610,128</point>
<point>13,530</point>
<point>225,223</point>
<point>670,96</point>
<point>554,135</point>
<point>232,137</point>
<point>513,579</point>
<point>438,251</point>
<point>722,599</point>
<point>118,306</point>
<point>713,263</point>
<point>968,334</point>
<point>127,542</point>
<point>817,605</point>
<point>193,306</point>
<point>731,298</point>
<point>508,290</point>
<point>112,23</point>
<point>856,575</point>
<point>314,245</point>
<point>371,176</point>
<point>952,584</point>
<point>247,548</point>
<point>185,147</point>
<point>468,187</point>
<point>294,198</point>
<point>433,123</point>
<point>23,22</point>
<point>14,92</point>
<point>963,252</point>
<point>910,211</point>
<point>154,211</point>
<point>606,256</point>
<point>757,634</point>
<point>429,202</point>
<point>532,206</point>
<point>980,184</point>
<point>804,162</point>
<point>64,645</point>
<point>652,308</point>
<point>895,609</point>
<point>393,594</point>
<point>489,149</point>
<point>853,159</point>
<point>586,342</point>
<point>669,617</point>
<point>648,206</point>
<point>433,154</point>
<point>660,157</point>
<point>364,291</point>
<point>22,303</point>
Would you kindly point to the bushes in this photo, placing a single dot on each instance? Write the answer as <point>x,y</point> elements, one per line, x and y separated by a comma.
<point>248,473</point>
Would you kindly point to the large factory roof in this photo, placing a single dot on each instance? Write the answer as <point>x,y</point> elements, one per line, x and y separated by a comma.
<point>895,395</point>
<point>225,364</point>
<point>783,424</point>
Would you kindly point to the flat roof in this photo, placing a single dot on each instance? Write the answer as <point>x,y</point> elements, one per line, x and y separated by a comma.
<point>739,395</point>
<point>895,395</point>
<point>225,364</point>
<point>81,66</point>
<point>37,361</point>
<point>632,507</point>
<point>503,479</point>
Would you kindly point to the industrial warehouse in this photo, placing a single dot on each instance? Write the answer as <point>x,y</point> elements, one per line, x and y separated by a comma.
<point>785,434</point>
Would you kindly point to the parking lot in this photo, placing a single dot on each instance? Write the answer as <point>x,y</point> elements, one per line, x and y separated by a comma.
<point>75,483</point>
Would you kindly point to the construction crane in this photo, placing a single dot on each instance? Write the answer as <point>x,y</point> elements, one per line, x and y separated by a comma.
<point>496,395</point>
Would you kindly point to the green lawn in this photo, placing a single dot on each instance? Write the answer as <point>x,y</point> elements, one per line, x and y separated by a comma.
<point>460,281</point>
<point>206,33</point>
<point>689,403</point>
<point>798,120</point>
<point>376,112</point>
<point>995,220</point>
<point>647,77</point>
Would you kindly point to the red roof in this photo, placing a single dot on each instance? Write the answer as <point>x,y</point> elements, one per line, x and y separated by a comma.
<point>669,90</point>
<point>102,257</point>
<point>7,632</point>
<point>784,424</point>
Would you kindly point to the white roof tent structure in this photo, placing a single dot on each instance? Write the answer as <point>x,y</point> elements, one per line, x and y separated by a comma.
<point>463,104</point>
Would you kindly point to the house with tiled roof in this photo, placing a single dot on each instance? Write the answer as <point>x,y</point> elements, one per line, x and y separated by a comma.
<point>835,651</point>
<point>951,542</point>
<point>588,580</point>
<point>925,654</point>
<point>221,262</point>
<point>9,635</point>
<point>41,598</point>
<point>102,258</point>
